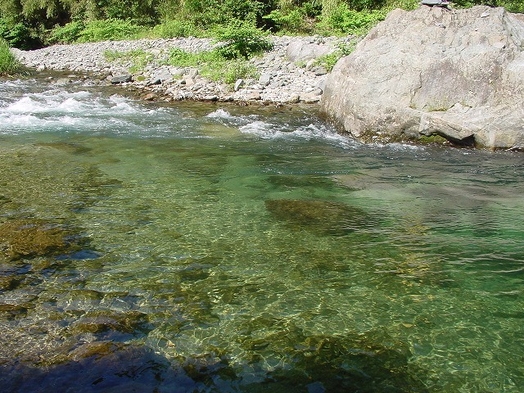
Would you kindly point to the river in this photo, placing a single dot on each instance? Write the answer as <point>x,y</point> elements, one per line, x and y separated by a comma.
<point>218,248</point>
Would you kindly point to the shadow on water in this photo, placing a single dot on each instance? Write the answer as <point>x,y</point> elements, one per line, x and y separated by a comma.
<point>323,364</point>
<point>99,367</point>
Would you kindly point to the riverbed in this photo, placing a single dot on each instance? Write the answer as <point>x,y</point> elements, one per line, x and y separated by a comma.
<point>215,247</point>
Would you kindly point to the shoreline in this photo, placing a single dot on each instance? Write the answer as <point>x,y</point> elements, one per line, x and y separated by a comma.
<point>287,73</point>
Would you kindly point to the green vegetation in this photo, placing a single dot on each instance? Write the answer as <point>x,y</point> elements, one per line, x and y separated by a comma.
<point>432,140</point>
<point>342,19</point>
<point>137,59</point>
<point>96,30</point>
<point>510,5</point>
<point>328,61</point>
<point>241,40</point>
<point>229,61</point>
<point>109,29</point>
<point>33,23</point>
<point>8,63</point>
<point>176,28</point>
<point>226,63</point>
<point>229,71</point>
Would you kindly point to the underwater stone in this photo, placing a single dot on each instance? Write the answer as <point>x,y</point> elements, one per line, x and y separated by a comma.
<point>99,367</point>
<point>67,147</point>
<point>27,238</point>
<point>8,283</point>
<point>101,321</point>
<point>97,349</point>
<point>11,311</point>
<point>327,217</point>
<point>367,363</point>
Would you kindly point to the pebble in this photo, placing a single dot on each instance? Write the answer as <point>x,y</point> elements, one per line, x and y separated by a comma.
<point>280,80</point>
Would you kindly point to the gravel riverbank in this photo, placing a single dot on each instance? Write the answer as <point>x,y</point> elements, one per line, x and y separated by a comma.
<point>287,73</point>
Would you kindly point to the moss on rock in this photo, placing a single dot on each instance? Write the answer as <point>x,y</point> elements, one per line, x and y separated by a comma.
<point>325,217</point>
<point>28,238</point>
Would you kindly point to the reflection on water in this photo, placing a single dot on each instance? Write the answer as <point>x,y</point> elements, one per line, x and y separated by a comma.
<point>209,248</point>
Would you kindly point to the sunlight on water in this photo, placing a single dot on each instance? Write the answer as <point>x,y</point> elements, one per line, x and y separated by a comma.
<point>249,249</point>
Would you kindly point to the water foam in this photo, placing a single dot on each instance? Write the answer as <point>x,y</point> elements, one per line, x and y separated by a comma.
<point>224,117</point>
<point>266,130</point>
<point>22,110</point>
<point>270,129</point>
<point>220,114</point>
<point>76,108</point>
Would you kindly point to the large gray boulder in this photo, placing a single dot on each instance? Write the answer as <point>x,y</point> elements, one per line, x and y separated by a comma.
<point>433,71</point>
<point>298,51</point>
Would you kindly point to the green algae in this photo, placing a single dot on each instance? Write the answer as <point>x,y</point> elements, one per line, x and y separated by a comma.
<point>101,321</point>
<point>327,217</point>
<point>27,238</point>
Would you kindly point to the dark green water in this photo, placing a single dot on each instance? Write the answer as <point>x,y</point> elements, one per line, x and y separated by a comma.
<point>227,249</point>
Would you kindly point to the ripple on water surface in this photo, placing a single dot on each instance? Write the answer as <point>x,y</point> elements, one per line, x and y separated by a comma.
<point>208,248</point>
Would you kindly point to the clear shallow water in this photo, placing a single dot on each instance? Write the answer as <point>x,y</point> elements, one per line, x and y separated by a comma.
<point>220,248</point>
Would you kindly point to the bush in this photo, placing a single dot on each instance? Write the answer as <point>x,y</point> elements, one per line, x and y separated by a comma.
<point>109,30</point>
<point>17,34</point>
<point>208,14</point>
<point>359,5</point>
<point>66,34</point>
<point>290,21</point>
<point>343,20</point>
<point>176,28</point>
<point>8,63</point>
<point>407,5</point>
<point>241,40</point>
<point>510,5</point>
<point>248,11</point>
<point>228,62</point>
<point>144,11</point>
<point>514,5</point>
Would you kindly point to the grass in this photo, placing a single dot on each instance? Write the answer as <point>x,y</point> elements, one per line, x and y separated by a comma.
<point>213,65</point>
<point>8,62</point>
<point>137,59</point>
<point>328,61</point>
<point>229,71</point>
<point>174,29</point>
<point>96,30</point>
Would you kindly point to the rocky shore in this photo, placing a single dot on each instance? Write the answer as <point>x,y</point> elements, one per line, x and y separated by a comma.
<point>430,72</point>
<point>455,74</point>
<point>287,73</point>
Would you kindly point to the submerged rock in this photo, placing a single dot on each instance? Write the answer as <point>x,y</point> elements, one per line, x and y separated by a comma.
<point>72,148</point>
<point>103,321</point>
<point>458,74</point>
<point>12,311</point>
<point>99,367</point>
<point>27,238</point>
<point>367,363</point>
<point>8,283</point>
<point>326,217</point>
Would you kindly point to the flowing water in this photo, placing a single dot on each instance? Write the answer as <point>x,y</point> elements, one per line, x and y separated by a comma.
<point>191,247</point>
